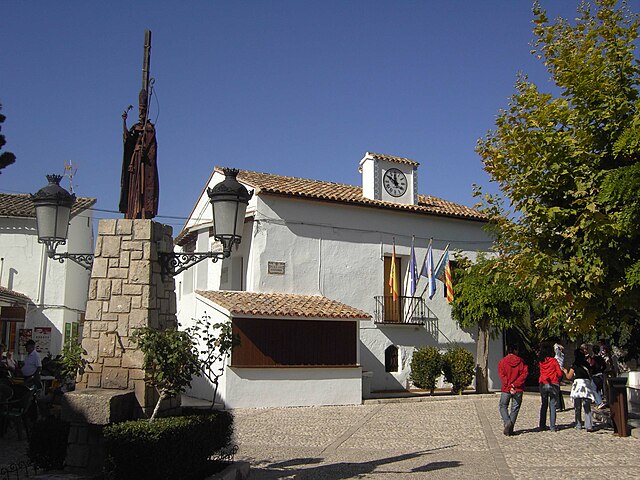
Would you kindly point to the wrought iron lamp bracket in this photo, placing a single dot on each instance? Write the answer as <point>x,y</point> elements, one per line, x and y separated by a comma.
<point>83,259</point>
<point>173,263</point>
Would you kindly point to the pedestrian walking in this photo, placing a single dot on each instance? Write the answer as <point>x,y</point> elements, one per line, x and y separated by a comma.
<point>558,348</point>
<point>582,390</point>
<point>549,384</point>
<point>513,373</point>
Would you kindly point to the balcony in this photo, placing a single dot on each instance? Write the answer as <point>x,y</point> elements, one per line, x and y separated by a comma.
<point>404,311</point>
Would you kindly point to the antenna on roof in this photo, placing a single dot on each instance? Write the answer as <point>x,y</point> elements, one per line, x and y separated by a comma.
<point>69,171</point>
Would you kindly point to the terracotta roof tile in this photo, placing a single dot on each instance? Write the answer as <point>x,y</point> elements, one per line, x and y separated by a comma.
<point>20,205</point>
<point>13,294</point>
<point>391,158</point>
<point>282,305</point>
<point>349,194</point>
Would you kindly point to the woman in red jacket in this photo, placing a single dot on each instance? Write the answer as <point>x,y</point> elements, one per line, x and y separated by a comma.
<point>550,376</point>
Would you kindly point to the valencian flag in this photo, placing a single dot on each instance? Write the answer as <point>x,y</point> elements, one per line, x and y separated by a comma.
<point>394,282</point>
<point>427,271</point>
<point>448,281</point>
<point>413,270</point>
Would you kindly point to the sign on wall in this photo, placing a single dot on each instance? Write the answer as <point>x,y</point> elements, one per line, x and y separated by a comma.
<point>275,268</point>
<point>42,337</point>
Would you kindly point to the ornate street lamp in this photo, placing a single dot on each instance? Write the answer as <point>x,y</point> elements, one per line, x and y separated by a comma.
<point>229,200</point>
<point>53,210</point>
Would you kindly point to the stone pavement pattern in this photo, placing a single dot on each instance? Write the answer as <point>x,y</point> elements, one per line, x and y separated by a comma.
<point>434,438</point>
<point>437,438</point>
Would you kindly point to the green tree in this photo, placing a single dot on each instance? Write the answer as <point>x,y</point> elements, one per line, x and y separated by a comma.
<point>6,158</point>
<point>489,300</point>
<point>457,366</point>
<point>564,162</point>
<point>170,361</point>
<point>214,342</point>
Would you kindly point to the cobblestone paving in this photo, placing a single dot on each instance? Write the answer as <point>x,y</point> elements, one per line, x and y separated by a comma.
<point>443,439</point>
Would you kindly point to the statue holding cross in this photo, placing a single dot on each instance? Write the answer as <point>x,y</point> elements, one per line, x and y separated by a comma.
<point>139,187</point>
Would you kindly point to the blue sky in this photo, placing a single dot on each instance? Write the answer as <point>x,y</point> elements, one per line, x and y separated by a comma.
<point>295,88</point>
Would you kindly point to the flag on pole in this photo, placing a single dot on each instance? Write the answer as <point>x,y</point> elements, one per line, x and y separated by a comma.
<point>444,259</point>
<point>427,270</point>
<point>394,283</point>
<point>413,270</point>
<point>448,281</point>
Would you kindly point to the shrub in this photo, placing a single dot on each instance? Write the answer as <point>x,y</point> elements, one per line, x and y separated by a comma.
<point>426,367</point>
<point>168,448</point>
<point>458,368</point>
<point>48,443</point>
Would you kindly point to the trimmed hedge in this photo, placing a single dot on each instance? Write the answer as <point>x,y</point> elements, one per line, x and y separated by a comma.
<point>167,448</point>
<point>426,367</point>
<point>458,368</point>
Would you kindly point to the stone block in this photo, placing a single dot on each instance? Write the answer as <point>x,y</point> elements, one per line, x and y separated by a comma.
<point>93,289</point>
<point>124,258</point>
<point>93,380</point>
<point>114,263</point>
<point>138,319</point>
<point>136,303</point>
<point>116,287</point>
<point>111,247</point>
<point>120,304</point>
<point>133,359</point>
<point>115,378</point>
<point>94,310</point>
<point>103,290</point>
<point>100,268</point>
<point>120,273</point>
<point>107,227</point>
<point>124,226</point>
<point>135,256</point>
<point>112,362</point>
<point>91,346</point>
<point>135,245</point>
<point>107,345</point>
<point>142,229</point>
<point>97,406</point>
<point>129,289</point>
<point>139,272</point>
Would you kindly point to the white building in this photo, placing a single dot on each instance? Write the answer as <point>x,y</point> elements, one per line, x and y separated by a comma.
<point>39,296</point>
<point>329,241</point>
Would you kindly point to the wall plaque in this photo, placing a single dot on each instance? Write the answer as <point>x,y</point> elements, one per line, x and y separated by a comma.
<point>275,268</point>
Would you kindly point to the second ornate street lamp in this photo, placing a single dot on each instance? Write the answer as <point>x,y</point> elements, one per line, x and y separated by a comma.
<point>229,200</point>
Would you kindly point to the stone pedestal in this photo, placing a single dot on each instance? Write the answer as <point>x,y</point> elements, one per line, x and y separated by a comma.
<point>126,292</point>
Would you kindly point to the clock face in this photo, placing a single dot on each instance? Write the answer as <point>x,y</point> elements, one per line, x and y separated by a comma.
<point>395,183</point>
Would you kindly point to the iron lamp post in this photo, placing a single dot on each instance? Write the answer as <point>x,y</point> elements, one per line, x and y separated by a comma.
<point>229,200</point>
<point>53,211</point>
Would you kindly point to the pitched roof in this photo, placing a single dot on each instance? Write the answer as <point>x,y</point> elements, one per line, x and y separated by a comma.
<point>5,293</point>
<point>349,194</point>
<point>20,205</point>
<point>282,305</point>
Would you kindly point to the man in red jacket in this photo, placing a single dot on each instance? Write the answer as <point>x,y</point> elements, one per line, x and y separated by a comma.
<point>513,372</point>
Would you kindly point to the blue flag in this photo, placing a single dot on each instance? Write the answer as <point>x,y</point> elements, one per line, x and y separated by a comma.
<point>427,271</point>
<point>413,271</point>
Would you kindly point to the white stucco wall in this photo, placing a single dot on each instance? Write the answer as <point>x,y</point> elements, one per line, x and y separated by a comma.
<point>58,290</point>
<point>337,251</point>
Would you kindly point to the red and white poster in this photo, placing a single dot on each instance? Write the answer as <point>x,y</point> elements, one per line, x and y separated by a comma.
<point>42,337</point>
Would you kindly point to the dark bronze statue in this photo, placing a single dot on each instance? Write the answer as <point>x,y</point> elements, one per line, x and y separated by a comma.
<point>139,186</point>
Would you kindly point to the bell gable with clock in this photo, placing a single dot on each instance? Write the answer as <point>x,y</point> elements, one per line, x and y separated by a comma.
<point>389,178</point>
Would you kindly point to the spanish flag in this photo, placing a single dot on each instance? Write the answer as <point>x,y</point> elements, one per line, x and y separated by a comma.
<point>394,281</point>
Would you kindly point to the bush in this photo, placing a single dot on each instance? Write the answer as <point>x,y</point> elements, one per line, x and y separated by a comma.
<point>171,447</point>
<point>458,368</point>
<point>426,368</point>
<point>48,443</point>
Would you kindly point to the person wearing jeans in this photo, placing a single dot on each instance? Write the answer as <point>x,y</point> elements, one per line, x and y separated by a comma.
<point>582,389</point>
<point>513,373</point>
<point>549,381</point>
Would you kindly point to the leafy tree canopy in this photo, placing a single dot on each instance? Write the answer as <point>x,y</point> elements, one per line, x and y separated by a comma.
<point>567,164</point>
<point>6,158</point>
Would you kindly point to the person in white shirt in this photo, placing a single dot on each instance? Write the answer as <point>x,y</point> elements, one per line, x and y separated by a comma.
<point>32,365</point>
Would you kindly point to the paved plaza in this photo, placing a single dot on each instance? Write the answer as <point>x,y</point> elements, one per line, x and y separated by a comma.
<point>413,438</point>
<point>434,438</point>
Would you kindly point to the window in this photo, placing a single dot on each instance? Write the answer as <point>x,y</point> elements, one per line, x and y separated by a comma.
<point>391,359</point>
<point>276,342</point>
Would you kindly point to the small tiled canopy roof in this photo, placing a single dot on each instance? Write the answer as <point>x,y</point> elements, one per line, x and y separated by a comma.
<point>20,205</point>
<point>282,305</point>
<point>391,158</point>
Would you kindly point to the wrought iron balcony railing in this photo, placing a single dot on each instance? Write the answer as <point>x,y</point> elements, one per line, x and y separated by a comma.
<point>404,310</point>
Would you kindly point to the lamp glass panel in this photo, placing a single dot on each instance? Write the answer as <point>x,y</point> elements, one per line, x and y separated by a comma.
<point>62,224</point>
<point>224,218</point>
<point>46,221</point>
